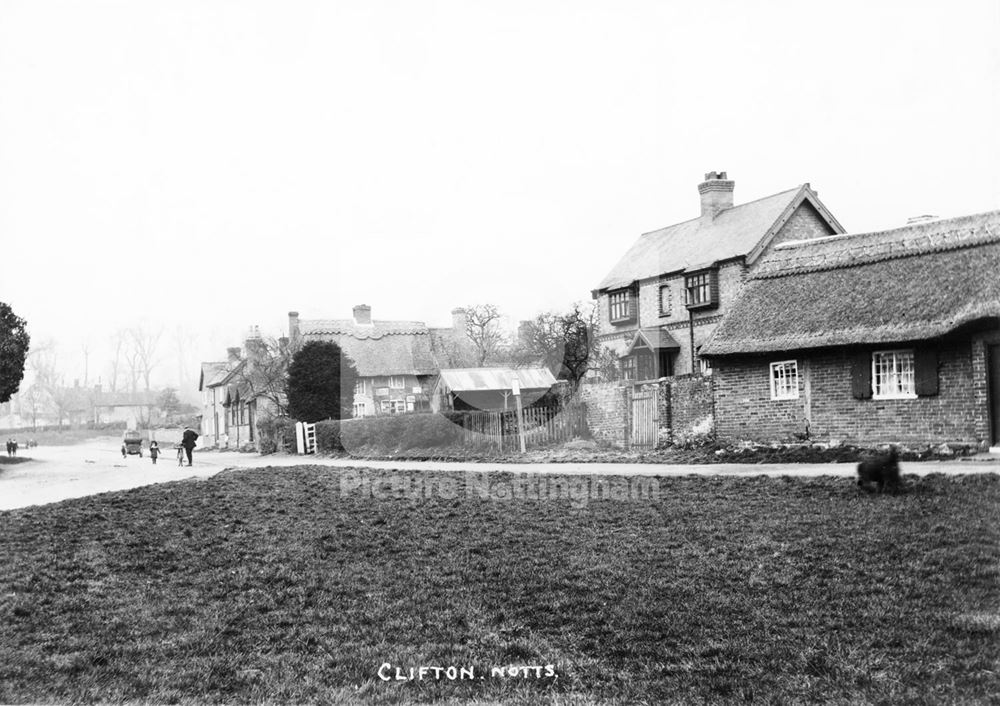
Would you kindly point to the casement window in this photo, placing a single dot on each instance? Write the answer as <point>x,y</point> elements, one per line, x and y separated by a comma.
<point>359,410</point>
<point>704,366</point>
<point>893,374</point>
<point>701,289</point>
<point>785,380</point>
<point>397,382</point>
<point>397,406</point>
<point>386,406</point>
<point>620,306</point>
<point>665,300</point>
<point>628,368</point>
<point>359,387</point>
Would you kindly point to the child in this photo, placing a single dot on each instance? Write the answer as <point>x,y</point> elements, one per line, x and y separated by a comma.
<point>154,450</point>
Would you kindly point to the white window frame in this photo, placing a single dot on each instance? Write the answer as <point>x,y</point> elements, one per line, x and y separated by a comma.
<point>359,387</point>
<point>899,368</point>
<point>787,371</point>
<point>397,382</point>
<point>620,301</point>
<point>668,310</point>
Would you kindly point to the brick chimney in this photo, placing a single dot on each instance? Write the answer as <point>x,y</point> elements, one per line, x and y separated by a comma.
<point>458,319</point>
<point>716,193</point>
<point>363,315</point>
<point>293,326</point>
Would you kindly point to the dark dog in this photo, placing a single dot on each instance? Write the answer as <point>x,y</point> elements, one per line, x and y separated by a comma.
<point>882,470</point>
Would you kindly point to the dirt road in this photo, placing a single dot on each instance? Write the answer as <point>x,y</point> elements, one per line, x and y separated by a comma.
<point>60,472</point>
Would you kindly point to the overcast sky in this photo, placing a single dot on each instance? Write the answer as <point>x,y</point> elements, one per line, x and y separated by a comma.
<point>220,163</point>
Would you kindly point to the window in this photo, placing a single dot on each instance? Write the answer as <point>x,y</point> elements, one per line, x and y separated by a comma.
<point>704,366</point>
<point>628,368</point>
<point>785,380</point>
<point>397,406</point>
<point>700,290</point>
<point>359,410</point>
<point>664,300</point>
<point>892,374</point>
<point>385,406</point>
<point>620,304</point>
<point>397,382</point>
<point>359,387</point>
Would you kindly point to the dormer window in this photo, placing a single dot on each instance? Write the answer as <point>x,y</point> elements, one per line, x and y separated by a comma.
<point>620,307</point>
<point>701,289</point>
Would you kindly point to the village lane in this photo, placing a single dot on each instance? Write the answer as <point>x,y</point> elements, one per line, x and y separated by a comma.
<point>57,473</point>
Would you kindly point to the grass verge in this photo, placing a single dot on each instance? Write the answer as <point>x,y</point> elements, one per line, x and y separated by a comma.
<point>296,584</point>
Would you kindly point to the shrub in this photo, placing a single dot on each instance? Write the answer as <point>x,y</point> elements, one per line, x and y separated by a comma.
<point>328,436</point>
<point>276,433</point>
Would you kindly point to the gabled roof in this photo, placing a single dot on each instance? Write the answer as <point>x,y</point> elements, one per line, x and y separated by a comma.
<point>907,284</point>
<point>654,338</point>
<point>483,379</point>
<point>212,374</point>
<point>381,348</point>
<point>739,231</point>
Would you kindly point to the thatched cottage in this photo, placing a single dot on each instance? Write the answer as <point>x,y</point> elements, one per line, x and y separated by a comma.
<point>891,336</point>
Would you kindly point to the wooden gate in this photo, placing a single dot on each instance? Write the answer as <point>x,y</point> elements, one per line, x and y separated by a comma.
<point>644,419</point>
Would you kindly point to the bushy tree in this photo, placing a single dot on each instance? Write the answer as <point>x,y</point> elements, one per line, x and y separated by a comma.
<point>14,341</point>
<point>321,382</point>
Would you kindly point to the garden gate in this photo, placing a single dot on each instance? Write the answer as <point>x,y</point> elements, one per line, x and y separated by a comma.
<point>645,419</point>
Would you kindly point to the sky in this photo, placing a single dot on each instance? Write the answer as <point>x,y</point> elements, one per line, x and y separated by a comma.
<point>199,167</point>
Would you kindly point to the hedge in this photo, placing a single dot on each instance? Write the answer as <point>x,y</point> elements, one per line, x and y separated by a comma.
<point>390,434</point>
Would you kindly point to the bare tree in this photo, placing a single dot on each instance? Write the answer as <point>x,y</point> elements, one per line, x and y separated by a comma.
<point>265,371</point>
<point>118,360</point>
<point>143,353</point>
<point>482,326</point>
<point>85,348</point>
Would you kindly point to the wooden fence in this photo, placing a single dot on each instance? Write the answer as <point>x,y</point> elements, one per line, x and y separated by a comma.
<point>542,426</point>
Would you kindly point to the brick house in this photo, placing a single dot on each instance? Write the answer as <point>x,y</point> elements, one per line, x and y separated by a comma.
<point>891,336</point>
<point>397,361</point>
<point>664,298</point>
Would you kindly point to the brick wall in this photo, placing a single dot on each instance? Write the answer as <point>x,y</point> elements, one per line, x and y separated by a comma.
<point>744,408</point>
<point>804,223</point>
<point>691,405</point>
<point>606,410</point>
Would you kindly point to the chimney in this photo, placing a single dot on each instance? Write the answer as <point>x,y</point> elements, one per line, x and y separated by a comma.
<point>458,319</point>
<point>293,326</point>
<point>234,354</point>
<point>363,315</point>
<point>716,193</point>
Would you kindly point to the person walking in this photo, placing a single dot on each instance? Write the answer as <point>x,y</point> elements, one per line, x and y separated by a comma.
<point>188,442</point>
<point>154,450</point>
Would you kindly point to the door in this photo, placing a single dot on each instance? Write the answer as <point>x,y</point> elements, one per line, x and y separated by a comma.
<point>644,419</point>
<point>993,362</point>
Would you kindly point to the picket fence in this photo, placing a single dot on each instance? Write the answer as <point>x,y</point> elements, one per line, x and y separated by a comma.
<point>542,426</point>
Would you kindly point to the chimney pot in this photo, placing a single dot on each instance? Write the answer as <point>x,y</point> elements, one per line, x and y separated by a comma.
<point>293,325</point>
<point>363,315</point>
<point>716,193</point>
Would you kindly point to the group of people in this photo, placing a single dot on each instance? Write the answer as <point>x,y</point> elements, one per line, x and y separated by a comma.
<point>186,447</point>
<point>11,447</point>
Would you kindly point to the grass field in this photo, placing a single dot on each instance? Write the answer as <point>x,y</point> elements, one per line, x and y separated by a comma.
<point>296,585</point>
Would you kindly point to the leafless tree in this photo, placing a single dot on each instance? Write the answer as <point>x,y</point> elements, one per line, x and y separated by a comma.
<point>482,326</point>
<point>142,355</point>
<point>265,371</point>
<point>117,363</point>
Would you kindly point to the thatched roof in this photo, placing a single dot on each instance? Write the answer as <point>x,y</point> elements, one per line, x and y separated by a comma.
<point>484,379</point>
<point>908,284</point>
<point>739,231</point>
<point>381,348</point>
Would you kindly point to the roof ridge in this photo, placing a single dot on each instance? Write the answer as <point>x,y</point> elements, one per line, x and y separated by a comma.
<point>725,210</point>
<point>924,241</point>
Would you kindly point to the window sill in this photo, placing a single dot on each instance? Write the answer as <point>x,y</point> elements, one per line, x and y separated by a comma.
<point>622,322</point>
<point>784,399</point>
<point>908,396</point>
<point>704,305</point>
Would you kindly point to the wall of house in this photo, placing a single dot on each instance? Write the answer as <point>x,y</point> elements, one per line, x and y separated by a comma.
<point>744,409</point>
<point>803,224</point>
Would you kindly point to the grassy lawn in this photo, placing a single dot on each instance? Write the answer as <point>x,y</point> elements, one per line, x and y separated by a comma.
<point>273,585</point>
